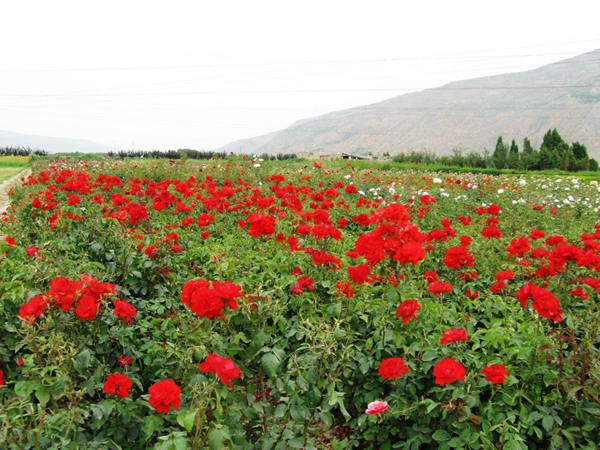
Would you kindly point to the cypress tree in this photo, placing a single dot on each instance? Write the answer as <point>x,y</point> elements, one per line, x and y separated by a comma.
<point>513,156</point>
<point>500,155</point>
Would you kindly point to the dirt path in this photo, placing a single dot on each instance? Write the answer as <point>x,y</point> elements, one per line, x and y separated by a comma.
<point>7,185</point>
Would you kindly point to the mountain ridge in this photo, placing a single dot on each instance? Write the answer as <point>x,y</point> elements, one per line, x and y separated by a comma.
<point>50,144</point>
<point>464,114</point>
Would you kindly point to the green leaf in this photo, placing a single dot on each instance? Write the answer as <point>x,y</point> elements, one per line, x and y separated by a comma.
<point>429,356</point>
<point>591,408</point>
<point>280,410</point>
<point>431,407</point>
<point>187,419</point>
<point>42,393</point>
<point>441,435</point>
<point>456,443</point>
<point>217,437</point>
<point>548,423</point>
<point>150,424</point>
<point>25,388</point>
<point>180,443</point>
<point>82,361</point>
<point>391,296</point>
<point>512,444</point>
<point>270,363</point>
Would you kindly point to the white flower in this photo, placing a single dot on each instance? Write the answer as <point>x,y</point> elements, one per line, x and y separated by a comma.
<point>257,165</point>
<point>437,180</point>
<point>500,191</point>
<point>347,177</point>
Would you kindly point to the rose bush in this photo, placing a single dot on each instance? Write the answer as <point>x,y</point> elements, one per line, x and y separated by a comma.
<point>223,305</point>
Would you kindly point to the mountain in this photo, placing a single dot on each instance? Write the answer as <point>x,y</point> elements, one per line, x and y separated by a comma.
<point>50,144</point>
<point>467,115</point>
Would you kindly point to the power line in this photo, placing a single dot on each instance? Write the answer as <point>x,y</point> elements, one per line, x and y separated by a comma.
<point>455,56</point>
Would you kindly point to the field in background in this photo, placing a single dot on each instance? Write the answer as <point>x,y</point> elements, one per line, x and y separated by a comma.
<point>12,165</point>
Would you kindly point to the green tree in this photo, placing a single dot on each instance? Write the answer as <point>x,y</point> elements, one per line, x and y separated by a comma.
<point>582,159</point>
<point>579,150</point>
<point>552,139</point>
<point>514,161</point>
<point>500,155</point>
<point>529,156</point>
<point>544,160</point>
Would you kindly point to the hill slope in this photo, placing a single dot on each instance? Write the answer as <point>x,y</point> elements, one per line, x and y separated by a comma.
<point>50,144</point>
<point>468,114</point>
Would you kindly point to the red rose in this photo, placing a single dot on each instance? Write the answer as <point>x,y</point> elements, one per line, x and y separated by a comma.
<point>124,360</point>
<point>447,371</point>
<point>518,247</point>
<point>439,287</point>
<point>87,307</point>
<point>453,335</point>
<point>412,252</point>
<point>392,368</point>
<point>359,274</point>
<point>31,310</point>
<point>209,302</point>
<point>458,257</point>
<point>543,301</point>
<point>164,395</point>
<point>1,378</point>
<point>376,407</point>
<point>118,384</point>
<point>495,373</point>
<point>224,368</point>
<point>124,310</point>
<point>408,310</point>
<point>73,199</point>
<point>261,225</point>
<point>151,251</point>
<point>63,291</point>
<point>345,288</point>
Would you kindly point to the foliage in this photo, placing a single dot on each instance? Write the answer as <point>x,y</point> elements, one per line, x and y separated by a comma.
<point>21,151</point>
<point>243,304</point>
<point>554,153</point>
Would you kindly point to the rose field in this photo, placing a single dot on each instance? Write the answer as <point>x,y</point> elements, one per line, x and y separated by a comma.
<point>245,304</point>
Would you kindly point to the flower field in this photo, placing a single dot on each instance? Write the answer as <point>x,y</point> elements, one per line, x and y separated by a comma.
<point>264,305</point>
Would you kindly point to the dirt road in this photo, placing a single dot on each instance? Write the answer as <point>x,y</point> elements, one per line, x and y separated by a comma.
<point>7,185</point>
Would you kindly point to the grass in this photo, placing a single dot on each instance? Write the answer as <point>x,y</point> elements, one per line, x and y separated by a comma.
<point>20,162</point>
<point>8,172</point>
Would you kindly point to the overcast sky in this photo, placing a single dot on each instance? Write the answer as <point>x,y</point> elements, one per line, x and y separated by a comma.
<point>198,74</point>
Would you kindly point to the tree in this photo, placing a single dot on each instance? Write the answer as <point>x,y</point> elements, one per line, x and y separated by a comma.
<point>500,155</point>
<point>579,150</point>
<point>552,139</point>
<point>529,156</point>
<point>544,160</point>
<point>513,156</point>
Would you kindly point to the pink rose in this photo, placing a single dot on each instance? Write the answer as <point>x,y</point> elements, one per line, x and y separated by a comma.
<point>376,407</point>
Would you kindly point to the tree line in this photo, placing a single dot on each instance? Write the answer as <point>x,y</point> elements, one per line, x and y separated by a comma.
<point>554,153</point>
<point>21,151</point>
<point>187,153</point>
